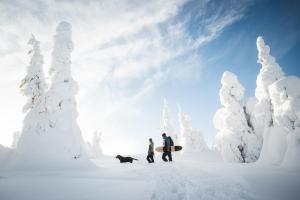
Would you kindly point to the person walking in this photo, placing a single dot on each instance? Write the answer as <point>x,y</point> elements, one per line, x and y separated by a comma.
<point>168,143</point>
<point>150,156</point>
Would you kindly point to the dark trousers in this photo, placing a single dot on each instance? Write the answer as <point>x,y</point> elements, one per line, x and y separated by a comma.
<point>150,158</point>
<point>165,154</point>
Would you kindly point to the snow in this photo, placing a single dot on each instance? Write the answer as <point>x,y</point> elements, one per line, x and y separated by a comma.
<point>5,153</point>
<point>270,70</point>
<point>50,160</point>
<point>274,146</point>
<point>33,85</point>
<point>185,178</point>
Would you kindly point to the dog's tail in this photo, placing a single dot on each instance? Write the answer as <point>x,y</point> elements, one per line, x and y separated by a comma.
<point>134,159</point>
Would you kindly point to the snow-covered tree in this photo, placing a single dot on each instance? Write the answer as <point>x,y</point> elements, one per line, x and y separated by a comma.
<point>61,99</point>
<point>263,122</point>
<point>94,148</point>
<point>192,140</point>
<point>269,73</point>
<point>285,98</point>
<point>33,86</point>
<point>167,125</point>
<point>236,139</point>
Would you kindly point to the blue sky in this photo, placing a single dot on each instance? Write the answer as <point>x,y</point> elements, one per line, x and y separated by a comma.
<point>130,55</point>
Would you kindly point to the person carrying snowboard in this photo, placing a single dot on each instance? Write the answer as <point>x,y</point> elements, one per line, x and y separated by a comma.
<point>168,143</point>
<point>150,155</point>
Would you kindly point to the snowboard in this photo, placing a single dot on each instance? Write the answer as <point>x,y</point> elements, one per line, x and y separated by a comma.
<point>173,148</point>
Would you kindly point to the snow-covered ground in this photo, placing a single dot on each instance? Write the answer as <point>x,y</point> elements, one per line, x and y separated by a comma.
<point>205,177</point>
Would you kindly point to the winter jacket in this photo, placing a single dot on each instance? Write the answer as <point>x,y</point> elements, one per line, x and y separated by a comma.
<point>167,144</point>
<point>151,148</point>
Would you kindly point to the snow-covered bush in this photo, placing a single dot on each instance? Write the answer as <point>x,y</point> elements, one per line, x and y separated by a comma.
<point>285,97</point>
<point>192,140</point>
<point>167,125</point>
<point>236,140</point>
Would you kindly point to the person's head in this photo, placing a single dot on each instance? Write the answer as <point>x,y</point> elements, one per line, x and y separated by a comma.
<point>164,135</point>
<point>150,140</point>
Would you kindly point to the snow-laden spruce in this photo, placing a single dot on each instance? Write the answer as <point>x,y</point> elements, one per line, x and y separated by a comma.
<point>235,140</point>
<point>94,149</point>
<point>271,134</point>
<point>68,144</point>
<point>33,85</point>
<point>167,125</point>
<point>269,73</point>
<point>32,140</point>
<point>192,140</point>
<point>285,97</point>
<point>50,136</point>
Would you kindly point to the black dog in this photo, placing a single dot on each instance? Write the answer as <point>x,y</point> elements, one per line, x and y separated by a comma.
<point>125,159</point>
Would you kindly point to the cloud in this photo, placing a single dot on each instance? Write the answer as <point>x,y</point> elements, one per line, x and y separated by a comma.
<point>124,50</point>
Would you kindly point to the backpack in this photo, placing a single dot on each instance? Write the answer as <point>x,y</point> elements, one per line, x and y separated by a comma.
<point>171,141</point>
